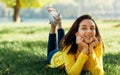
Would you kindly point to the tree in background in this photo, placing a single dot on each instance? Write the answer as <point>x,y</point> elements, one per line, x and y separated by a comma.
<point>17,4</point>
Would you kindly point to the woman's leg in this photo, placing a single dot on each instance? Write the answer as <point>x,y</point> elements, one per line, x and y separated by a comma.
<point>60,32</point>
<point>52,46</point>
<point>51,42</point>
<point>52,39</point>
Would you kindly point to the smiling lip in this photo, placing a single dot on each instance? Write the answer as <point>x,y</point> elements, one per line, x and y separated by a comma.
<point>89,36</point>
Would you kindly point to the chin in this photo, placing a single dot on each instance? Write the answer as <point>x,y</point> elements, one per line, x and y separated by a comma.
<point>88,41</point>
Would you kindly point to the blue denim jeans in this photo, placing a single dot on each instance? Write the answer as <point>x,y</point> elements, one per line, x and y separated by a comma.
<point>52,44</point>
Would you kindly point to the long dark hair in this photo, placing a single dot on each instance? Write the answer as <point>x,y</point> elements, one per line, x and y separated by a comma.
<point>70,38</point>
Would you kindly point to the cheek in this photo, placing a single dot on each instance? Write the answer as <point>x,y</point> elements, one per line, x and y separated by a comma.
<point>81,33</point>
<point>94,33</point>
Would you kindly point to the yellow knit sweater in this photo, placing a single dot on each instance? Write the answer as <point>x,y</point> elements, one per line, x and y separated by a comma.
<point>75,63</point>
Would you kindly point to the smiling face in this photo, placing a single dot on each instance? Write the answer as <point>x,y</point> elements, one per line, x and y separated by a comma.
<point>87,30</point>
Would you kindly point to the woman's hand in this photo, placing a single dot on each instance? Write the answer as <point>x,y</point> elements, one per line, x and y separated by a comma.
<point>94,43</point>
<point>82,44</point>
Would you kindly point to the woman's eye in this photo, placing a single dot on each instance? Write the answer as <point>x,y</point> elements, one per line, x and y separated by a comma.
<point>84,28</point>
<point>92,28</point>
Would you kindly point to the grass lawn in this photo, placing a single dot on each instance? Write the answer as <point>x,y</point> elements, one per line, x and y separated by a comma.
<point>23,48</point>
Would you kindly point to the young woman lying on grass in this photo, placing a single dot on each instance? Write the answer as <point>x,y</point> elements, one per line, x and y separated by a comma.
<point>80,50</point>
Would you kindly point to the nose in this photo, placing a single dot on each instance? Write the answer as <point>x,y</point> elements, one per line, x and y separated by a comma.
<point>89,30</point>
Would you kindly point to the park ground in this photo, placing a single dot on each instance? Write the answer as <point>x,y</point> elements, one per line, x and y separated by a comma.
<point>23,48</point>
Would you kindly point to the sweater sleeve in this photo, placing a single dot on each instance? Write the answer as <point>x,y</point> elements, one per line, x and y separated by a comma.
<point>96,64</point>
<point>74,67</point>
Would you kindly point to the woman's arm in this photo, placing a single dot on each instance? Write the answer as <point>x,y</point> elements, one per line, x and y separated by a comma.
<point>96,64</point>
<point>95,57</point>
<point>74,67</point>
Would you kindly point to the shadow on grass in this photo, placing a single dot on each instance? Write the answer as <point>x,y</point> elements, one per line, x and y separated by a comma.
<point>17,63</point>
<point>112,63</point>
<point>20,58</point>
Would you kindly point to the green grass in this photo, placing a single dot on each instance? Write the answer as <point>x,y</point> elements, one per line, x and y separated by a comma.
<point>23,48</point>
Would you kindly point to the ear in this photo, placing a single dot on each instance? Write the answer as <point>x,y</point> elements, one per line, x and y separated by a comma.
<point>76,34</point>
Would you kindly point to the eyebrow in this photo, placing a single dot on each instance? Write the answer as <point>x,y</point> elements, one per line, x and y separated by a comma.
<point>86,25</point>
<point>83,25</point>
